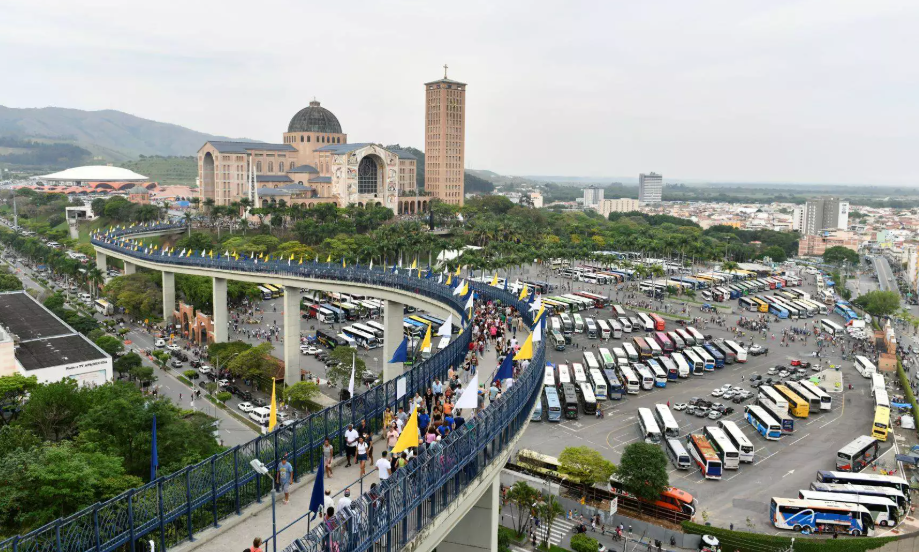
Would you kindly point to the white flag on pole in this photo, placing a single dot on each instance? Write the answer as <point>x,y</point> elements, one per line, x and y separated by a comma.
<point>447,328</point>
<point>470,303</point>
<point>537,331</point>
<point>469,398</point>
<point>537,304</point>
<point>351,384</point>
<point>459,288</point>
<point>371,264</point>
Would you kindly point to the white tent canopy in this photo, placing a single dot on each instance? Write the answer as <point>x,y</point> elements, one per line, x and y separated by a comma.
<point>95,173</point>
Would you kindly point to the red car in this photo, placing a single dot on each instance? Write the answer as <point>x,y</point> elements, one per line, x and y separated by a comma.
<point>796,362</point>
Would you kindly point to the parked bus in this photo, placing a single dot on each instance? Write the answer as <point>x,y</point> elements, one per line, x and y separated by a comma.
<point>660,375</point>
<point>564,374</point>
<point>659,324</point>
<point>727,452</point>
<point>826,402</point>
<point>688,339</point>
<point>266,293</point>
<point>761,305</point>
<point>621,356</point>
<point>553,406</point>
<point>797,406</point>
<point>881,398</point>
<point>830,327</point>
<point>650,431</point>
<point>644,350</point>
<point>578,323</point>
<point>707,359</point>
<point>677,454</point>
<point>699,339</point>
<point>614,387</point>
<point>715,354</point>
<point>664,341</point>
<point>364,339</point>
<point>569,399</point>
<point>670,367</point>
<point>740,354</point>
<point>580,376</point>
<point>666,422</point>
<point>368,329</point>
<point>705,456</point>
<point>748,304</point>
<point>548,379</point>
<point>864,366</point>
<point>592,328</point>
<point>645,376</point>
<point>695,362</point>
<point>567,324</point>
<point>615,328</point>
<point>781,416</point>
<point>681,365</point>
<point>729,355</point>
<point>767,392</point>
<point>275,291</point>
<point>607,360</point>
<point>104,307</point>
<point>619,310</point>
<point>630,352</point>
<point>763,422</point>
<point>821,516</point>
<point>877,383</point>
<point>864,490</point>
<point>678,343</point>
<point>740,441</point>
<point>881,424</point>
<point>883,510</point>
<point>856,478</point>
<point>599,384</point>
<point>557,340</point>
<point>858,455</point>
<point>813,401</point>
<point>629,380</point>
<point>590,361</point>
<point>603,329</point>
<point>656,350</point>
<point>588,400</point>
<point>646,321</point>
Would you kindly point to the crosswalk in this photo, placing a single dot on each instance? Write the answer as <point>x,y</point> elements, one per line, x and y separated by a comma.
<point>560,528</point>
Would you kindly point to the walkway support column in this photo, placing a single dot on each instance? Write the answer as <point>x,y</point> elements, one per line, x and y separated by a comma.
<point>169,295</point>
<point>291,335</point>
<point>129,268</point>
<point>220,310</point>
<point>478,529</point>
<point>101,261</point>
<point>392,338</point>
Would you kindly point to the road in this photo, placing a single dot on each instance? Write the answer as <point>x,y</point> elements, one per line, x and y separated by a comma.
<point>886,279</point>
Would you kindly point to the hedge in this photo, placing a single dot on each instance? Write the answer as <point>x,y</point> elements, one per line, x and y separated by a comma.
<point>756,542</point>
<point>583,543</point>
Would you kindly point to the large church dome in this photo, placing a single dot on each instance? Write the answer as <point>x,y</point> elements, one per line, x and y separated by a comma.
<point>314,119</point>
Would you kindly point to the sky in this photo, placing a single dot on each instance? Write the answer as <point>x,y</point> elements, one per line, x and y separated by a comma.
<point>722,90</point>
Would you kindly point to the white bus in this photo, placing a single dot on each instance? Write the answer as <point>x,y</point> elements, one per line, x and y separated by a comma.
<point>881,398</point>
<point>681,364</point>
<point>645,375</point>
<point>687,337</point>
<point>678,343</point>
<point>695,335</point>
<point>738,350</point>
<point>564,375</point>
<point>367,329</point>
<point>590,361</point>
<point>660,375</point>
<point>615,328</point>
<point>666,421</point>
<point>620,355</point>
<point>883,510</point>
<point>104,307</point>
<point>567,324</point>
<point>740,441</point>
<point>630,352</point>
<point>549,379</point>
<point>363,339</point>
<point>629,380</point>
<point>708,362</point>
<point>826,401</point>
<point>603,328</point>
<point>730,456</point>
<point>578,323</point>
<point>646,321</point>
<point>649,430</point>
<point>821,516</point>
<point>378,328</point>
<point>599,383</point>
<point>830,327</point>
<point>656,351</point>
<point>592,328</point>
<point>580,376</point>
<point>626,325</point>
<point>864,366</point>
<point>607,360</point>
<point>877,382</point>
<point>695,362</point>
<point>770,394</point>
<point>678,455</point>
<point>556,324</point>
<point>619,310</point>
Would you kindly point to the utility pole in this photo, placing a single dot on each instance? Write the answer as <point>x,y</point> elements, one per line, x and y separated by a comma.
<point>15,211</point>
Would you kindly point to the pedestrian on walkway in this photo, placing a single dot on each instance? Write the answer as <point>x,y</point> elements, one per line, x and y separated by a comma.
<point>327,454</point>
<point>284,476</point>
<point>256,545</point>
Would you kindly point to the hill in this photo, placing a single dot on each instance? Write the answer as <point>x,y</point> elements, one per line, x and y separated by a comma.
<point>108,135</point>
<point>168,171</point>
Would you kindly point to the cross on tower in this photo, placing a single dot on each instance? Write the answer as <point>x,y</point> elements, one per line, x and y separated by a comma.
<point>445,70</point>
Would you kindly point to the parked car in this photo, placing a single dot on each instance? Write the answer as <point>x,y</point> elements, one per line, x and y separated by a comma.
<point>195,363</point>
<point>795,362</point>
<point>717,392</point>
<point>232,389</point>
<point>173,347</point>
<point>244,395</point>
<point>204,369</point>
<point>309,350</point>
<point>702,412</point>
<point>757,350</point>
<point>783,374</point>
<point>259,402</point>
<point>223,382</point>
<point>245,406</point>
<point>714,415</point>
<point>679,407</point>
<point>728,395</point>
<point>176,363</point>
<point>159,343</point>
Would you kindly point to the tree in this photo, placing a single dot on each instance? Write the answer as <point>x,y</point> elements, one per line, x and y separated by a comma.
<point>879,303</point>
<point>137,294</point>
<point>586,465</point>
<point>111,345</point>
<point>55,302</point>
<point>522,497</point>
<point>8,282</point>
<point>340,375</point>
<point>144,375</point>
<point>838,254</point>
<point>224,396</point>
<point>254,363</point>
<point>583,543</point>
<point>547,511</point>
<point>302,395</point>
<point>776,253</point>
<point>53,409</point>
<point>13,390</point>
<point>643,470</point>
<point>223,352</point>
<point>128,363</point>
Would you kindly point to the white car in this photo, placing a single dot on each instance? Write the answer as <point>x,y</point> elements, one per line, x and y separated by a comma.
<point>223,382</point>
<point>771,371</point>
<point>717,392</point>
<point>246,406</point>
<point>726,387</point>
<point>310,350</point>
<point>679,407</point>
<point>173,347</point>
<point>783,374</point>
<point>204,369</point>
<point>160,343</point>
<point>727,395</point>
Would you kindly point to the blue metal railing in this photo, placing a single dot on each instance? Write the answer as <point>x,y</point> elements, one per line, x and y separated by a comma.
<point>173,508</point>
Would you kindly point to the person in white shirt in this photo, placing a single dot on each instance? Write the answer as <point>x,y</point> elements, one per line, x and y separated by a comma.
<point>384,466</point>
<point>351,437</point>
<point>362,454</point>
<point>344,503</point>
<point>327,501</point>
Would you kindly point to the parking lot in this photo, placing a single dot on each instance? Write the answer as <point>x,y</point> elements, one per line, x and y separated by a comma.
<point>780,468</point>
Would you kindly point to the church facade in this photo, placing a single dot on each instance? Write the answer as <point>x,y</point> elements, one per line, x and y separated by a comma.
<point>314,164</point>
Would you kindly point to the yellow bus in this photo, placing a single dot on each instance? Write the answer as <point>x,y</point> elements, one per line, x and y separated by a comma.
<point>761,305</point>
<point>797,406</point>
<point>881,423</point>
<point>276,291</point>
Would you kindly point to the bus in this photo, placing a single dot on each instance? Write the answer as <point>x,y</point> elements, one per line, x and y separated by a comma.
<point>266,293</point>
<point>645,376</point>
<point>761,305</point>
<point>748,304</point>
<point>600,301</point>
<point>644,350</point>
<point>826,402</point>
<point>646,321</point>
<point>678,343</point>
<point>740,354</point>
<point>548,379</point>
<point>778,310</point>
<point>716,354</point>
<point>797,406</point>
<point>705,456</point>
<point>699,339</point>
<point>553,406</point>
<point>275,291</point>
<point>677,454</point>
<point>813,401</point>
<point>104,307</point>
<point>666,422</point>
<point>614,389</point>
<point>881,398</point>
<point>615,328</point>
<point>681,365</point>
<point>883,510</point>
<point>630,352</point>
<point>877,383</point>
<point>568,397</point>
<point>368,329</point>
<point>858,455</point>
<point>707,359</point>
<point>743,445</point>
<point>650,432</point>
<point>590,361</point>
<point>629,380</point>
<point>881,423</point>
<point>607,360</point>
<point>619,310</point>
<point>695,362</point>
<point>603,328</point>
<point>599,384</point>
<point>767,392</point>
<point>687,337</point>
<point>578,323</point>
<point>830,327</point>
<point>588,400</point>
<point>842,309</point>
<point>621,356</point>
<point>864,366</point>
<point>567,324</point>
<point>557,340</point>
<point>762,422</point>
<point>729,355</point>
<point>864,490</point>
<point>659,324</point>
<point>564,375</point>
<point>366,340</point>
<point>666,344</point>
<point>670,367</point>
<point>856,478</point>
<point>656,351</point>
<point>660,375</point>
<point>727,452</point>
<point>592,328</point>
<point>780,415</point>
<point>821,516</point>
<point>580,376</point>
<point>328,340</point>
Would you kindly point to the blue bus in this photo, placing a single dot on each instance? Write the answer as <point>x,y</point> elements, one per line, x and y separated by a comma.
<point>420,327</point>
<point>716,354</point>
<point>553,405</point>
<point>614,388</point>
<point>843,310</point>
<point>339,314</point>
<point>437,322</point>
<point>763,422</point>
<point>778,310</point>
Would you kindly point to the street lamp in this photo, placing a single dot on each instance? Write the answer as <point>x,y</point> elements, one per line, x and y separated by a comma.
<point>262,469</point>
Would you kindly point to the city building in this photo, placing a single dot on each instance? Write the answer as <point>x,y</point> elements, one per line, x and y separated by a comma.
<point>445,139</point>
<point>650,188</point>
<point>822,214</point>
<point>813,245</point>
<point>621,205</point>
<point>139,194</point>
<point>35,342</point>
<point>593,197</point>
<point>536,199</point>
<point>314,164</point>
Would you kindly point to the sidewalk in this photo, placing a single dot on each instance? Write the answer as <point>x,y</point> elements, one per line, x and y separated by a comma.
<point>237,532</point>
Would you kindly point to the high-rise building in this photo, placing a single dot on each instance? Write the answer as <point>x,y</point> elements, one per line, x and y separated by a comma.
<point>621,205</point>
<point>822,214</point>
<point>445,139</point>
<point>593,197</point>
<point>650,188</point>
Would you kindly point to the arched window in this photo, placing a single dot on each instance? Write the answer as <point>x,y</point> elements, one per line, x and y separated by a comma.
<point>307,138</point>
<point>271,166</point>
<point>258,166</point>
<point>367,176</point>
<point>338,140</point>
<point>281,166</point>
<point>301,138</point>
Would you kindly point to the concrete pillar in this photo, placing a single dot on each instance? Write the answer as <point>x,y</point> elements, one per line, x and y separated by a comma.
<point>478,529</point>
<point>291,335</point>
<point>101,261</point>
<point>392,338</point>
<point>129,268</point>
<point>169,295</point>
<point>220,310</point>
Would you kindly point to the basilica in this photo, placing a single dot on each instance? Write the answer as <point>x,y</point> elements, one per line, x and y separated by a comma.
<point>313,164</point>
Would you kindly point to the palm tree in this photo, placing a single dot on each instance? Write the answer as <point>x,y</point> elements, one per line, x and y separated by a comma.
<point>548,511</point>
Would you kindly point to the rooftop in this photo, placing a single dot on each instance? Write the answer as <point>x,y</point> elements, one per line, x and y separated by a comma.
<point>28,320</point>
<point>243,147</point>
<point>46,353</point>
<point>95,173</point>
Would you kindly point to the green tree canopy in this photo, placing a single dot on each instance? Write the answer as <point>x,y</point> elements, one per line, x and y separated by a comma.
<point>53,409</point>
<point>111,345</point>
<point>776,253</point>
<point>254,363</point>
<point>302,395</point>
<point>586,465</point>
<point>340,375</point>
<point>137,294</point>
<point>839,254</point>
<point>13,390</point>
<point>879,303</point>
<point>643,470</point>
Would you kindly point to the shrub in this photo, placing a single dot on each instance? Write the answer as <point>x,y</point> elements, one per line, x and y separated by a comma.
<point>756,542</point>
<point>583,543</point>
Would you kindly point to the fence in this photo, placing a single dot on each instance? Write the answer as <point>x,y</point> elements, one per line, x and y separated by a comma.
<point>173,508</point>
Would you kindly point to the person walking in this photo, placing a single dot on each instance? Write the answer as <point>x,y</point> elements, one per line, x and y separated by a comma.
<point>362,454</point>
<point>327,453</point>
<point>284,476</point>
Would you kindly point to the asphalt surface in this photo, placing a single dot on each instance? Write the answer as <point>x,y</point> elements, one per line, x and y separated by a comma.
<point>886,278</point>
